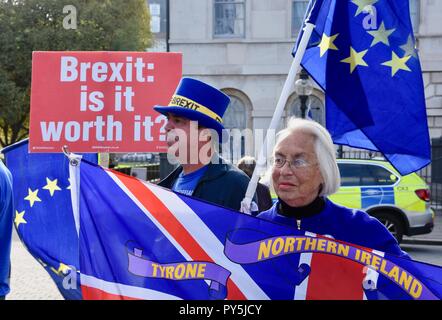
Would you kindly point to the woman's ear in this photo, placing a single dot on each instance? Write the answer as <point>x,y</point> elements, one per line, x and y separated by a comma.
<point>321,187</point>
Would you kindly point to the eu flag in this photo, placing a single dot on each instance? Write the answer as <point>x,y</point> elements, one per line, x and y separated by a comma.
<point>362,54</point>
<point>43,211</point>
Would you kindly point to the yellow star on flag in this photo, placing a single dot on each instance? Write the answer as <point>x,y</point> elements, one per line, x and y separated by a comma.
<point>19,218</point>
<point>381,35</point>
<point>52,186</point>
<point>409,47</point>
<point>32,197</point>
<point>355,59</point>
<point>327,43</point>
<point>62,269</point>
<point>397,63</point>
<point>362,4</point>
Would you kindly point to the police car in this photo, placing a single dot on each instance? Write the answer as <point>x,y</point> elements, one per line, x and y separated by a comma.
<point>401,203</point>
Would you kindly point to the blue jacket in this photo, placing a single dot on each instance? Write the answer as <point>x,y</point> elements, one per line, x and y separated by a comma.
<point>350,225</point>
<point>6,216</point>
<point>222,184</point>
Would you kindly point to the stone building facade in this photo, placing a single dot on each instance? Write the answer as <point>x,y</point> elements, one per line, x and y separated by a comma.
<point>244,46</point>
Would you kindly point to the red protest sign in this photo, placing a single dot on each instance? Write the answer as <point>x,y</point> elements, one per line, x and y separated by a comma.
<point>101,101</point>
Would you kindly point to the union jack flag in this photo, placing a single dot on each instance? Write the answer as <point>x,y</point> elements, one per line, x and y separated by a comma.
<point>141,241</point>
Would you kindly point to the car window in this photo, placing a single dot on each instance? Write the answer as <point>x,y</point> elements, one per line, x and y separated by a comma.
<point>382,177</point>
<point>353,174</point>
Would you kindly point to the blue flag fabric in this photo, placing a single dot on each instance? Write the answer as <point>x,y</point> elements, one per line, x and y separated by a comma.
<point>362,54</point>
<point>6,212</point>
<point>141,241</point>
<point>43,211</point>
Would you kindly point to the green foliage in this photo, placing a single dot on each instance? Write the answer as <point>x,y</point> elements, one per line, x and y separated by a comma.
<point>37,25</point>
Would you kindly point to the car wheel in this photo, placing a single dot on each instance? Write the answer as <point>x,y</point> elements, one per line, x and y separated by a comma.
<point>392,223</point>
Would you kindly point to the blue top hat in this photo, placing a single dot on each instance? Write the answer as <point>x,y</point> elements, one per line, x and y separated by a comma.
<point>196,100</point>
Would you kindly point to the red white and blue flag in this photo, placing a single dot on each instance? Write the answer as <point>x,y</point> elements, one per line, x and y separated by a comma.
<point>141,241</point>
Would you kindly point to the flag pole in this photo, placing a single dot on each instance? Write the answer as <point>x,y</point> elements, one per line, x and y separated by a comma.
<point>74,178</point>
<point>294,68</point>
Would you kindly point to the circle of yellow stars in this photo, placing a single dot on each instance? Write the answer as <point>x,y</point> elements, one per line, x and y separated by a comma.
<point>32,197</point>
<point>380,36</point>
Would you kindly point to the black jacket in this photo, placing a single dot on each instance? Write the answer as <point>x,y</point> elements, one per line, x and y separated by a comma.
<point>264,197</point>
<point>222,184</point>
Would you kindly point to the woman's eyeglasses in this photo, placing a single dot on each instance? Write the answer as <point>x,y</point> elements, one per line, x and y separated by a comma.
<point>298,163</point>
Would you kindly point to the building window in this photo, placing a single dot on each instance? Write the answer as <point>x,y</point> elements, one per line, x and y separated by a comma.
<point>415,14</point>
<point>235,118</point>
<point>229,18</point>
<point>299,7</point>
<point>314,111</point>
<point>158,24</point>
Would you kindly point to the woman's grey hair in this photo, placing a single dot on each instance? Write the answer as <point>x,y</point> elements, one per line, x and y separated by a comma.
<point>324,149</point>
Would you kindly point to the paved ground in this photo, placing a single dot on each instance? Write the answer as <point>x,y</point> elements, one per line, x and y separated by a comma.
<point>29,281</point>
<point>424,253</point>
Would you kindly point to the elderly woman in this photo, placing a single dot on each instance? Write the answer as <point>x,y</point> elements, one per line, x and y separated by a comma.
<point>304,173</point>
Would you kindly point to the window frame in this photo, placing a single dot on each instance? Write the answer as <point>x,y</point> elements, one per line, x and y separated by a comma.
<point>323,115</point>
<point>214,18</point>
<point>418,15</point>
<point>294,32</point>
<point>243,105</point>
<point>246,103</point>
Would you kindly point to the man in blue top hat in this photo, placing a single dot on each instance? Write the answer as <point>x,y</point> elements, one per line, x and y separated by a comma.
<point>6,215</point>
<point>194,126</point>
